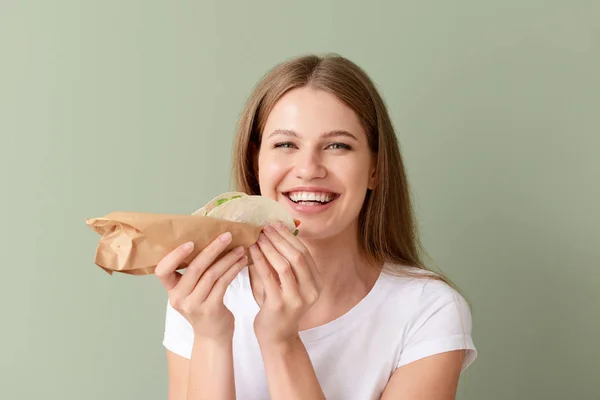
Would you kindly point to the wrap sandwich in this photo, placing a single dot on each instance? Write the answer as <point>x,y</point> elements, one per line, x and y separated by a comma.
<point>134,243</point>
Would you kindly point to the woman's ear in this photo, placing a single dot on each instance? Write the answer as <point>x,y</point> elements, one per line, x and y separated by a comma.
<point>373,176</point>
<point>372,181</point>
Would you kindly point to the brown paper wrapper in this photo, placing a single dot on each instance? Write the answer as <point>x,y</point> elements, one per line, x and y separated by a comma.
<point>134,243</point>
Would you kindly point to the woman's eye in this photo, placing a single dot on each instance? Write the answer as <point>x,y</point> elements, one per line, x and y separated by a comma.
<point>285,145</point>
<point>334,146</point>
<point>340,146</point>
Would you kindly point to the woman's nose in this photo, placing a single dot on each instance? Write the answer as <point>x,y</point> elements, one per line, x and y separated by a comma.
<point>310,166</point>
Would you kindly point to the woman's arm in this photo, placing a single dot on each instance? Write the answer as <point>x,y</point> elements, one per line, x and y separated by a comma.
<point>431,378</point>
<point>290,374</point>
<point>198,295</point>
<point>179,372</point>
<point>208,375</point>
<point>211,371</point>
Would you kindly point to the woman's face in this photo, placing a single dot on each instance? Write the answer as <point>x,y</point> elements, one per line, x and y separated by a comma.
<point>314,158</point>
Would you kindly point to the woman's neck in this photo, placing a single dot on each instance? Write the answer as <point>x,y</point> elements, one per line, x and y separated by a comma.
<point>346,276</point>
<point>342,265</point>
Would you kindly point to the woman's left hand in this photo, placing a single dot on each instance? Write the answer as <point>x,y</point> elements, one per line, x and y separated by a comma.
<point>291,283</point>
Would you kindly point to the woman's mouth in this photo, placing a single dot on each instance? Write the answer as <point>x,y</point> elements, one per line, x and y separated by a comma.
<point>311,198</point>
<point>310,203</point>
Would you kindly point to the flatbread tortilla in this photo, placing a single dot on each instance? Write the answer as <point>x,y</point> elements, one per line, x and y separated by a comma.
<point>217,201</point>
<point>254,210</point>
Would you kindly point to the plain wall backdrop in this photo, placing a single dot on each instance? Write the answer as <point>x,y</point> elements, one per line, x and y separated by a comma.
<point>132,105</point>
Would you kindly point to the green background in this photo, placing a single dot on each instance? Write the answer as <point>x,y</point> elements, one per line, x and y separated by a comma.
<point>131,105</point>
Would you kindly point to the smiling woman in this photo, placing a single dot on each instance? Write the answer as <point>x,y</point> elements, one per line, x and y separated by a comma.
<point>326,153</point>
<point>345,310</point>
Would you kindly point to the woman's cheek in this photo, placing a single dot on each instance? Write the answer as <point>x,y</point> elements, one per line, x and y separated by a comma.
<point>271,172</point>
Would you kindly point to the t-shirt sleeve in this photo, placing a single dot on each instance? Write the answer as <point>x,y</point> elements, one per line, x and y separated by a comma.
<point>442,323</point>
<point>179,334</point>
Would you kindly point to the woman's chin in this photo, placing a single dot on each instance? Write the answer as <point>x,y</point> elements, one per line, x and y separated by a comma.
<point>317,235</point>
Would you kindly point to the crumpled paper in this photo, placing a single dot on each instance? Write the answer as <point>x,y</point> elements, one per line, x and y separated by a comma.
<point>134,243</point>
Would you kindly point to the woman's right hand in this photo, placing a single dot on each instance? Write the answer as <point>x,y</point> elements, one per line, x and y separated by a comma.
<point>198,293</point>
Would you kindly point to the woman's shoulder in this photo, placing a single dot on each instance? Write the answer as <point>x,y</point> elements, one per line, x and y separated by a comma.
<point>412,278</point>
<point>424,290</point>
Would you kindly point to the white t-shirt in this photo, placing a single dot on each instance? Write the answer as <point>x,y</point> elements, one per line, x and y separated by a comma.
<point>402,319</point>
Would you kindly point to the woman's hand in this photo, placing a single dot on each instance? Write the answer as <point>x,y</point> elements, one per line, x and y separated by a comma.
<point>291,291</point>
<point>198,293</point>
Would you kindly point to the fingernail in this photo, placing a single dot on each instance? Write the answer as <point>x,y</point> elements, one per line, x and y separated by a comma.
<point>225,237</point>
<point>239,251</point>
<point>261,237</point>
<point>188,246</point>
<point>268,228</point>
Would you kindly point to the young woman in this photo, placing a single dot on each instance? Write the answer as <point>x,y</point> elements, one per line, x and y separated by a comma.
<point>345,310</point>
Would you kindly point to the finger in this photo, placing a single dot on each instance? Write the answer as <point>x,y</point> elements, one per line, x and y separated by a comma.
<point>200,263</point>
<point>266,274</point>
<point>284,231</point>
<point>213,273</point>
<point>280,264</point>
<point>166,270</point>
<point>295,258</point>
<point>294,241</point>
<point>220,287</point>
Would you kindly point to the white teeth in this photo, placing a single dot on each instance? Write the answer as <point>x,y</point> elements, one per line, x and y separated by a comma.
<point>311,196</point>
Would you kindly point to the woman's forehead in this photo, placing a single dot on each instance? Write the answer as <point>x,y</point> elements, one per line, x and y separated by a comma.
<point>309,112</point>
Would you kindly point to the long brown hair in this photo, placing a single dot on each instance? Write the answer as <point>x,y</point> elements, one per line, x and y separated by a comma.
<point>387,225</point>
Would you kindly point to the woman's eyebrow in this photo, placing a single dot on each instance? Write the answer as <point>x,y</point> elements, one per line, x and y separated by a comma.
<point>326,135</point>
